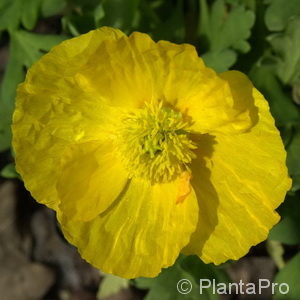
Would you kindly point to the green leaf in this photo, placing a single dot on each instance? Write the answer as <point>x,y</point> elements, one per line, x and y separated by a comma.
<point>83,16</point>
<point>52,7</point>
<point>163,20</point>
<point>225,32</point>
<point>296,93</point>
<point>171,28</point>
<point>200,270</point>
<point>287,230</point>
<point>5,133</point>
<point>287,134</point>
<point>293,158</point>
<point>25,49</point>
<point>296,183</point>
<point>9,171</point>
<point>286,46</point>
<point>111,285</point>
<point>276,251</point>
<point>280,12</point>
<point>30,13</point>
<point>220,61</point>
<point>69,24</point>
<point>165,285</point>
<point>14,74</point>
<point>282,106</point>
<point>118,13</point>
<point>99,14</point>
<point>204,22</point>
<point>283,109</point>
<point>12,12</point>
<point>293,149</point>
<point>29,47</point>
<point>170,282</point>
<point>218,26</point>
<point>290,275</point>
<point>248,3</point>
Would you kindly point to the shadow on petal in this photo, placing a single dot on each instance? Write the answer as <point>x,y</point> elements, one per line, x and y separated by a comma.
<point>242,93</point>
<point>207,196</point>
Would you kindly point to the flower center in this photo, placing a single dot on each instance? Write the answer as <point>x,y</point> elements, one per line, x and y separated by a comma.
<point>155,144</point>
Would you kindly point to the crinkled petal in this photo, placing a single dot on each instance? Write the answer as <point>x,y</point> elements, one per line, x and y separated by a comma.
<point>55,109</point>
<point>239,181</point>
<point>92,177</point>
<point>134,70</point>
<point>60,98</point>
<point>140,234</point>
<point>38,157</point>
<point>179,77</point>
<point>216,108</point>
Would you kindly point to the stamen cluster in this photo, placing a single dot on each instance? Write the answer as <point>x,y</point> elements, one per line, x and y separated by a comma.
<point>155,143</point>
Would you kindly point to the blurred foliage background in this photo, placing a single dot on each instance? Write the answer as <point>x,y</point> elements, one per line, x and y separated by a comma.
<point>259,38</point>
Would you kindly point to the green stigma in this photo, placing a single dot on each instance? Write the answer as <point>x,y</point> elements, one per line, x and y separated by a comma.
<point>155,143</point>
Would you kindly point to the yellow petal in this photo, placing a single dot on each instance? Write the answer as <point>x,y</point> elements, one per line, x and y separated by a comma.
<point>136,70</point>
<point>40,141</point>
<point>239,180</point>
<point>38,158</point>
<point>92,177</point>
<point>179,77</point>
<point>216,107</point>
<point>55,108</point>
<point>117,72</point>
<point>141,233</point>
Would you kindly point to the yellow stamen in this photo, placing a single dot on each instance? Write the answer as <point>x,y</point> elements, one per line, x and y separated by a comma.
<point>155,143</point>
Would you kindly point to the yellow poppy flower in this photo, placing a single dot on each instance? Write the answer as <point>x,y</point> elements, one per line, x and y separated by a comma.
<point>144,152</point>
